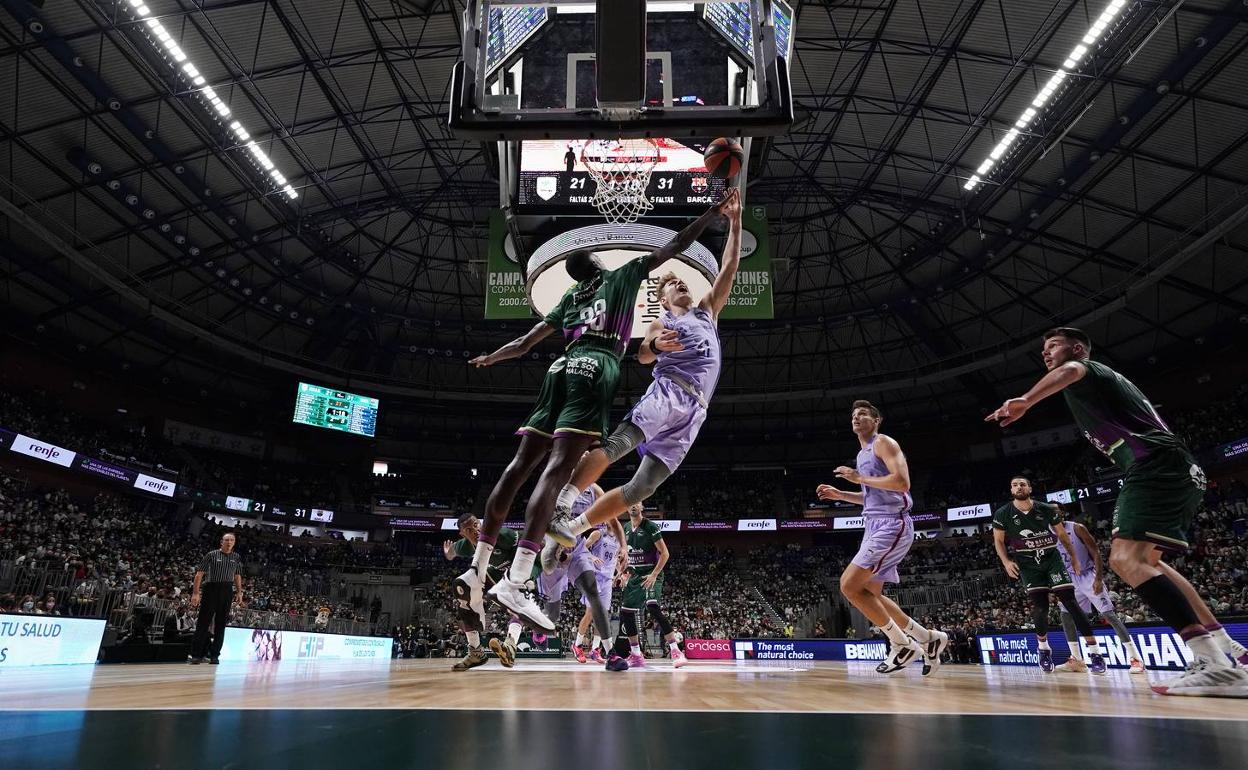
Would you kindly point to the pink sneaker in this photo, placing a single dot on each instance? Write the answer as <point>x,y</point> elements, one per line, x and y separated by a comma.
<point>596,656</point>
<point>579,653</point>
<point>636,661</point>
<point>678,659</point>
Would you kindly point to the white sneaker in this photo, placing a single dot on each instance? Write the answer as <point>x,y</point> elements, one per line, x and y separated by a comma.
<point>511,595</point>
<point>550,556</point>
<point>468,589</point>
<point>1137,666</point>
<point>901,656</point>
<point>1204,677</point>
<point>932,652</point>
<point>560,529</point>
<point>1072,666</point>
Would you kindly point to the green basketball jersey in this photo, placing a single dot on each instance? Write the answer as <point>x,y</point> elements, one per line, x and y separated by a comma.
<point>1027,531</point>
<point>1116,417</point>
<point>643,550</point>
<point>504,547</point>
<point>598,314</point>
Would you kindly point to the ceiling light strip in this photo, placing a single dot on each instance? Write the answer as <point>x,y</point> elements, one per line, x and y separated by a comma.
<point>1068,66</point>
<point>161,37</point>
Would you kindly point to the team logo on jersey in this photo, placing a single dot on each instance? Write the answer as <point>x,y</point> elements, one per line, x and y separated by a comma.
<point>547,186</point>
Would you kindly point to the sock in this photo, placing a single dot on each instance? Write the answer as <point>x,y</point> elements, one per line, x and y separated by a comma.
<point>604,644</point>
<point>580,640</point>
<point>1044,645</point>
<point>634,649</point>
<point>919,633</point>
<point>522,562</point>
<point>1164,597</point>
<point>481,557</point>
<point>598,643</point>
<point>1205,648</point>
<point>581,524</point>
<point>1094,646</point>
<point>1072,636</point>
<point>567,496</point>
<point>513,631</point>
<point>895,634</point>
<point>673,646</point>
<point>474,639</point>
<point>1224,641</point>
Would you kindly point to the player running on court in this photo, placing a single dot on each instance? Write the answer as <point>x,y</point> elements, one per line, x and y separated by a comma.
<point>1091,594</point>
<point>683,344</point>
<point>647,557</point>
<point>573,406</point>
<point>471,615</point>
<point>600,559</point>
<point>1160,494</point>
<point>1033,530</point>
<point>884,476</point>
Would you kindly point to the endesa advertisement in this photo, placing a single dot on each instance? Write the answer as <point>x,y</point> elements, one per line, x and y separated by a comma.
<point>708,649</point>
<point>263,644</point>
<point>808,649</point>
<point>42,640</point>
<point>1160,647</point>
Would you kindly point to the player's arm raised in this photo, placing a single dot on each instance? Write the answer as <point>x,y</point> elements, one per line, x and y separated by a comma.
<point>1055,381</point>
<point>1064,538</point>
<point>658,340</point>
<point>898,478</point>
<point>717,297</point>
<point>685,238</point>
<point>1083,534</point>
<point>517,347</point>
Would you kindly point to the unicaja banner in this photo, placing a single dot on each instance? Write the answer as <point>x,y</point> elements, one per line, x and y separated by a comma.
<point>752,294</point>
<point>505,295</point>
<point>40,640</point>
<point>708,649</point>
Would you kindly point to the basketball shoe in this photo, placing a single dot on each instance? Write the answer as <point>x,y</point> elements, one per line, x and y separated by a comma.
<point>1046,661</point>
<point>1096,663</point>
<point>475,657</point>
<point>467,589</point>
<point>511,595</point>
<point>596,656</point>
<point>505,650</point>
<point>636,661</point>
<point>901,656</point>
<point>1137,666</point>
<point>1072,666</point>
<point>1205,677</point>
<point>578,652</point>
<point>550,555</point>
<point>616,663</point>
<point>678,659</point>
<point>560,528</point>
<point>932,652</point>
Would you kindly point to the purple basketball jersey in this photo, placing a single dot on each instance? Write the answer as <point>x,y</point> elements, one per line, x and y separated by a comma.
<point>698,364</point>
<point>1086,563</point>
<point>879,502</point>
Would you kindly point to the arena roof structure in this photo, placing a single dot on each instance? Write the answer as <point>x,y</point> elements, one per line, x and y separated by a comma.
<point>293,205</point>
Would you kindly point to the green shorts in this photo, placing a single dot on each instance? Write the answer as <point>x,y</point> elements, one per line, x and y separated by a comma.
<point>576,395</point>
<point>1159,497</point>
<point>635,595</point>
<point>1042,570</point>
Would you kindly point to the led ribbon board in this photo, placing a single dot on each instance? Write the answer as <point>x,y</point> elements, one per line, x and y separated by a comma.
<point>615,245</point>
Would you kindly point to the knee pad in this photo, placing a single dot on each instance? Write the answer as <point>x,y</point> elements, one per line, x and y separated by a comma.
<point>624,439</point>
<point>650,474</point>
<point>628,621</point>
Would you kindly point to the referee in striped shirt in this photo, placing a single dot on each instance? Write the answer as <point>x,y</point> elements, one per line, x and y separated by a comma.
<point>222,568</point>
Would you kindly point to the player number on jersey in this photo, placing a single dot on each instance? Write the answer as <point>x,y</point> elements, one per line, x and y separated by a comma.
<point>595,316</point>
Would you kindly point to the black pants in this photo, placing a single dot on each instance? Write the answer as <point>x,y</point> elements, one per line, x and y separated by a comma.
<point>214,608</point>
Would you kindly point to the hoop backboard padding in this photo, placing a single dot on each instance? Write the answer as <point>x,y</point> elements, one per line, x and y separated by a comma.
<point>620,45</point>
<point>615,245</point>
<point>621,169</point>
<point>768,111</point>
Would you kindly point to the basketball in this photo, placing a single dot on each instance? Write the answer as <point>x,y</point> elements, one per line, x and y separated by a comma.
<point>724,158</point>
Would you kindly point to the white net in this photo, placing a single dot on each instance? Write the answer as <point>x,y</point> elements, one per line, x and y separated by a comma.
<point>621,168</point>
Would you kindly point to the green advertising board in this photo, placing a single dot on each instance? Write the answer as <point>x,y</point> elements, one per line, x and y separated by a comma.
<point>505,297</point>
<point>752,292</point>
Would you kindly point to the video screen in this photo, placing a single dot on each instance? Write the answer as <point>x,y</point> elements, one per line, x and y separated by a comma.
<point>336,410</point>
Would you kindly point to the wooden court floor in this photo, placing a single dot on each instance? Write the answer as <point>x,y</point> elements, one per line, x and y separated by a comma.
<point>722,715</point>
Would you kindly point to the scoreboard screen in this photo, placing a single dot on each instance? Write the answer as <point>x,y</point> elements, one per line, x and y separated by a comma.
<point>508,28</point>
<point>336,410</point>
<point>553,176</point>
<point>733,22</point>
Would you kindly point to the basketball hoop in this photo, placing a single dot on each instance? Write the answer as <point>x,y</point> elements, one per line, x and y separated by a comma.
<point>621,168</point>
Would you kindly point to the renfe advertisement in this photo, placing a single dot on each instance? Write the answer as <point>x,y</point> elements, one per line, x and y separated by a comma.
<point>262,644</point>
<point>40,640</point>
<point>1159,646</point>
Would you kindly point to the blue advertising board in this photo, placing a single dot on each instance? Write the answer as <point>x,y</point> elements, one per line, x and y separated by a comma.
<point>1160,647</point>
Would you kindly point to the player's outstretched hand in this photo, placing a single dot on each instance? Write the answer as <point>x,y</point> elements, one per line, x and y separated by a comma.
<point>668,341</point>
<point>730,206</point>
<point>480,361</point>
<point>849,474</point>
<point>828,492</point>
<point>1010,412</point>
<point>447,545</point>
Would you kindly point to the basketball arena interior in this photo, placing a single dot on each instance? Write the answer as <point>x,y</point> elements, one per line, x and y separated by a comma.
<point>613,383</point>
